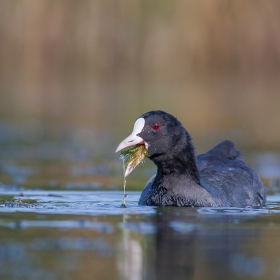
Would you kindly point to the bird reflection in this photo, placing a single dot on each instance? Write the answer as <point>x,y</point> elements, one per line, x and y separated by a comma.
<point>190,245</point>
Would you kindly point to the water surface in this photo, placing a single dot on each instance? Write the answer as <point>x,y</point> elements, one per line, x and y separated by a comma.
<point>61,218</point>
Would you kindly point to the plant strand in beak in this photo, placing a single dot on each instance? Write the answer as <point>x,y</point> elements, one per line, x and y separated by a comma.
<point>132,157</point>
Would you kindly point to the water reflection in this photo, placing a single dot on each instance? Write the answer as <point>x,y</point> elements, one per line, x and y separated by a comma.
<point>208,247</point>
<point>186,244</point>
<point>137,242</point>
<point>130,257</point>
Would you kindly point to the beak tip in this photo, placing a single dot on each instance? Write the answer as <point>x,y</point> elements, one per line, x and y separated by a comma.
<point>118,149</point>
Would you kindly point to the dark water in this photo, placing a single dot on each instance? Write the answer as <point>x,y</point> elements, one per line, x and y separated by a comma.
<point>60,218</point>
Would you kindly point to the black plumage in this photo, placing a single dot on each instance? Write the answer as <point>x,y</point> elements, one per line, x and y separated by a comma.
<point>218,178</point>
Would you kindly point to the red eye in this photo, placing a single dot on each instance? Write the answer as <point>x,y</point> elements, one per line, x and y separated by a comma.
<point>156,126</point>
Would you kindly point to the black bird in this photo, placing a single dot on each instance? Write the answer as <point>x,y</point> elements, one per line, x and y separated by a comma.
<point>218,178</point>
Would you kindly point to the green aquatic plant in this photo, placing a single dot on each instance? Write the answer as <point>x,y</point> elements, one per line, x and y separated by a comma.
<point>131,157</point>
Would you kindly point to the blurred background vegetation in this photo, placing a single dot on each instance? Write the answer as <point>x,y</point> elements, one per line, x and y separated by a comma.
<point>98,65</point>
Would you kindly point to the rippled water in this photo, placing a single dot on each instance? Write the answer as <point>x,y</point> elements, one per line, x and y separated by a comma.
<point>61,218</point>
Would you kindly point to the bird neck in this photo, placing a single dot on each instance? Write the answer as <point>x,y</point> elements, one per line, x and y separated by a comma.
<point>179,161</point>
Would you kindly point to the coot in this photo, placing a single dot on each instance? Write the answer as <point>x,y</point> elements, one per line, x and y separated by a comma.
<point>218,178</point>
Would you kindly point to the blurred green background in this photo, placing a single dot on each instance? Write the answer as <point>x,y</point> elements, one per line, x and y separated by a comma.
<point>98,65</point>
